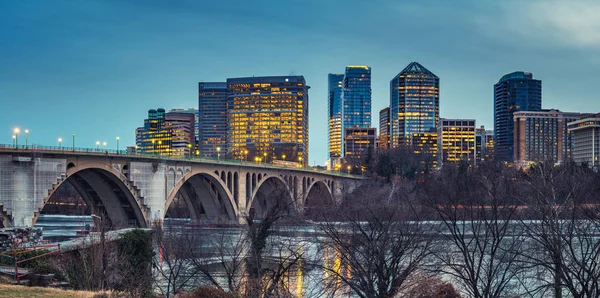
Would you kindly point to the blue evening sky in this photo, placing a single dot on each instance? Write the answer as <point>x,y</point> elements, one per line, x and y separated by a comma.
<point>94,67</point>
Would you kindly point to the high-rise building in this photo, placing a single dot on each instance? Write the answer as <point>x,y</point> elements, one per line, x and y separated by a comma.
<point>384,128</point>
<point>356,97</point>
<point>585,134</point>
<point>166,133</point>
<point>195,112</point>
<point>414,104</point>
<point>517,91</point>
<point>425,145</point>
<point>335,86</point>
<point>484,144</point>
<point>456,142</point>
<point>542,135</point>
<point>357,142</point>
<point>212,118</point>
<point>267,118</point>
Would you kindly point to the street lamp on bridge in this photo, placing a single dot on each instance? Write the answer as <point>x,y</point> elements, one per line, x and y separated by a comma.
<point>97,145</point>
<point>218,153</point>
<point>26,138</point>
<point>73,142</point>
<point>17,130</point>
<point>14,138</point>
<point>117,145</point>
<point>59,143</point>
<point>104,144</point>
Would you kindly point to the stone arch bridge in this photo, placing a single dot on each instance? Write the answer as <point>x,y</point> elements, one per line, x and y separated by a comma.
<point>134,191</point>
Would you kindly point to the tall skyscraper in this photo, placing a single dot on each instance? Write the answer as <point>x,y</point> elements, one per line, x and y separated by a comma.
<point>212,118</point>
<point>414,104</point>
<point>335,85</point>
<point>542,135</point>
<point>586,140</point>
<point>516,91</point>
<point>267,118</point>
<point>456,141</point>
<point>166,133</point>
<point>356,97</point>
<point>384,128</point>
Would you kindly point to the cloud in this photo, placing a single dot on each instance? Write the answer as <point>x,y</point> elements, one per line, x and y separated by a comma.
<point>572,24</point>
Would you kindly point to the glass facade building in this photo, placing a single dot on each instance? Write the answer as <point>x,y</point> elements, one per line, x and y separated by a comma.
<point>542,135</point>
<point>517,91</point>
<point>196,122</point>
<point>356,97</point>
<point>414,104</point>
<point>456,141</point>
<point>212,118</point>
<point>384,128</point>
<point>166,133</point>
<point>335,84</point>
<point>267,118</point>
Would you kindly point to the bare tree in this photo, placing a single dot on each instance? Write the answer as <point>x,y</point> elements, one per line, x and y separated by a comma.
<point>476,208</point>
<point>377,239</point>
<point>564,247</point>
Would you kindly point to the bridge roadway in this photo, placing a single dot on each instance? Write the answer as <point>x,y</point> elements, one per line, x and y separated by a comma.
<point>137,190</point>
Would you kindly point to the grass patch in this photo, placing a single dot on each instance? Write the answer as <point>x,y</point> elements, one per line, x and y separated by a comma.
<point>14,291</point>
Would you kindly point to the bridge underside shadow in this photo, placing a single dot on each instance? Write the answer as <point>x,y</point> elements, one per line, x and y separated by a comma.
<point>202,200</point>
<point>272,198</point>
<point>98,192</point>
<point>318,201</point>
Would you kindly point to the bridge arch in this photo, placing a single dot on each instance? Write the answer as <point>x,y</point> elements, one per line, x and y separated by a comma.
<point>106,191</point>
<point>206,195</point>
<point>266,190</point>
<point>319,195</point>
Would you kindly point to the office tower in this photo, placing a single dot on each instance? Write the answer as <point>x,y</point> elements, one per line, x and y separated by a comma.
<point>358,141</point>
<point>212,118</point>
<point>425,146</point>
<point>414,103</point>
<point>542,135</point>
<point>484,144</point>
<point>384,128</point>
<point>585,134</point>
<point>166,133</point>
<point>196,113</point>
<point>267,118</point>
<point>456,142</point>
<point>516,91</point>
<point>335,84</point>
<point>356,97</point>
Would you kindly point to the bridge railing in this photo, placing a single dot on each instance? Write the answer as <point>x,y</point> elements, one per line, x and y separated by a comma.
<point>192,158</point>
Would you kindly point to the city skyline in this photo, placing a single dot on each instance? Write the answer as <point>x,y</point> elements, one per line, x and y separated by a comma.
<point>82,83</point>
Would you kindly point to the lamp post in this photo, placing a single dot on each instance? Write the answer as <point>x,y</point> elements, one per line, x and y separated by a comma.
<point>100,228</point>
<point>73,142</point>
<point>349,167</point>
<point>265,155</point>
<point>17,130</point>
<point>117,145</point>
<point>14,138</point>
<point>26,138</point>
<point>104,144</point>
<point>59,143</point>
<point>159,145</point>
<point>218,153</point>
<point>246,154</point>
<point>189,150</point>
<point>97,145</point>
<point>283,156</point>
